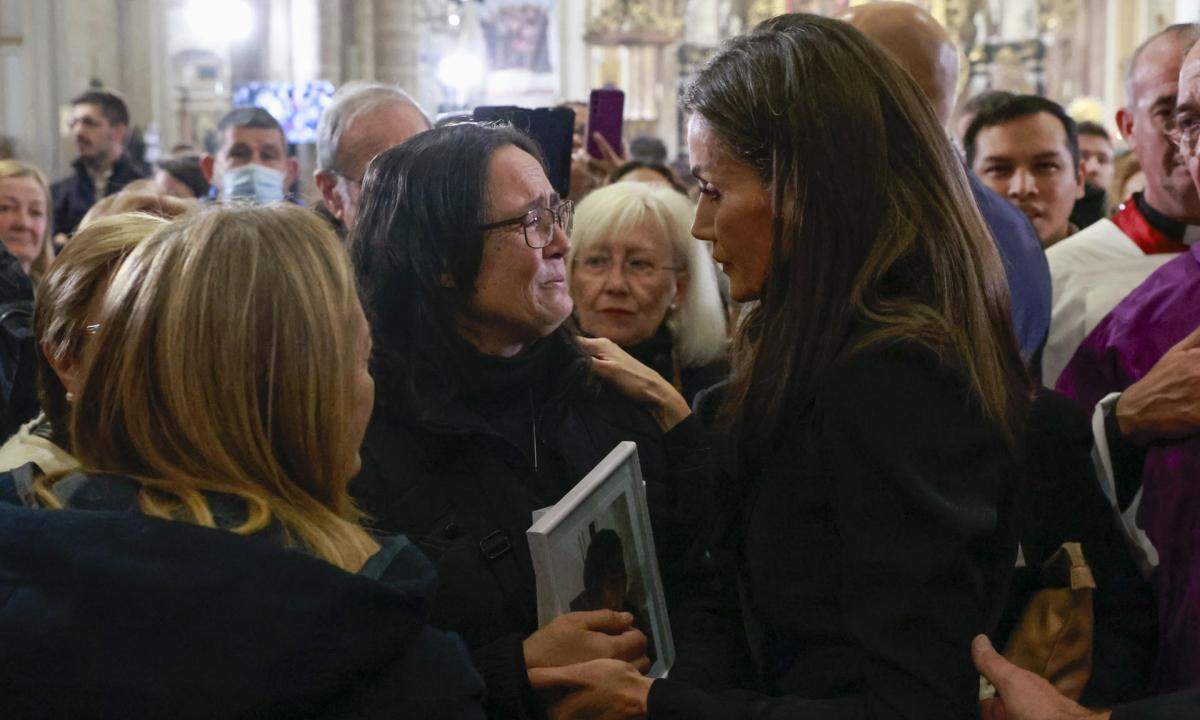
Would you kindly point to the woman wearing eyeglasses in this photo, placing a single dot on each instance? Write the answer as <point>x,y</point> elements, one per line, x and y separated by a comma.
<point>486,407</point>
<point>639,279</point>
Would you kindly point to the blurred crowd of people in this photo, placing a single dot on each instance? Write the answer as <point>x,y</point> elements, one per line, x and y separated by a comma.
<point>911,378</point>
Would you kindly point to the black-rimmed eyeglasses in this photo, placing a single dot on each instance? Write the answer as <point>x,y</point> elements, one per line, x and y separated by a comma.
<point>538,224</point>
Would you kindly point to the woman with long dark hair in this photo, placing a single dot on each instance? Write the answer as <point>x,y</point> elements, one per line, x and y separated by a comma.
<point>486,408</point>
<point>874,414</point>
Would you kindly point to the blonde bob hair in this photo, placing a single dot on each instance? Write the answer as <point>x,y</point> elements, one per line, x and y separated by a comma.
<point>68,296</point>
<point>223,365</point>
<point>18,169</point>
<point>698,325</point>
<point>141,196</point>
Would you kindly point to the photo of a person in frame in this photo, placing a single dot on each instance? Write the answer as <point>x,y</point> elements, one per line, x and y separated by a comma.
<point>606,583</point>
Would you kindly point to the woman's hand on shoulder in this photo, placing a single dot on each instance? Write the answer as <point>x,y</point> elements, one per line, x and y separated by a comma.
<point>636,381</point>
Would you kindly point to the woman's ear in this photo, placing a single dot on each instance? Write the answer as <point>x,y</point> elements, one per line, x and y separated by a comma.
<point>681,288</point>
<point>67,369</point>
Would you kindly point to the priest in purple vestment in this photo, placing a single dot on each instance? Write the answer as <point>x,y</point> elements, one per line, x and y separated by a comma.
<point>1154,325</point>
<point>1122,349</point>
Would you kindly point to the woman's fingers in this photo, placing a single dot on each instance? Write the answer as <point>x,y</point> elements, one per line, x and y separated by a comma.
<point>643,664</point>
<point>606,150</point>
<point>629,646</point>
<point>596,345</point>
<point>611,622</point>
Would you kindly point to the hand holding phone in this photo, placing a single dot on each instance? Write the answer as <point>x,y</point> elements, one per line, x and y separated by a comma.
<point>606,117</point>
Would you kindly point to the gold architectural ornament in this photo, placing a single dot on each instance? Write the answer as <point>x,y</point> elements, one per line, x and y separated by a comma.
<point>636,22</point>
<point>960,17</point>
<point>1054,15</point>
<point>753,12</point>
<point>1087,109</point>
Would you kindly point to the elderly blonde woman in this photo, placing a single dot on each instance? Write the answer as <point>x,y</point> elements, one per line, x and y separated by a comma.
<point>25,217</point>
<point>64,317</point>
<point>221,406</point>
<point>639,279</point>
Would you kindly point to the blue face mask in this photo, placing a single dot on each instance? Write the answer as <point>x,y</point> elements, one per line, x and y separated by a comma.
<point>256,183</point>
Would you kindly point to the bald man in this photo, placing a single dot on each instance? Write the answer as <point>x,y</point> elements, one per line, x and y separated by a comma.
<point>1097,267</point>
<point>923,47</point>
<point>363,120</point>
<point>919,43</point>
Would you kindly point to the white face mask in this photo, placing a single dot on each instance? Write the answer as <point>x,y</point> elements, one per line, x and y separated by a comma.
<point>257,183</point>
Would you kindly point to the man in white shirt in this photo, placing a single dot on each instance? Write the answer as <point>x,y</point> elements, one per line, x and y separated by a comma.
<point>1097,267</point>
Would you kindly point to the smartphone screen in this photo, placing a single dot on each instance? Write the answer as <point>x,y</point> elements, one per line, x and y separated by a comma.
<point>606,113</point>
<point>551,128</point>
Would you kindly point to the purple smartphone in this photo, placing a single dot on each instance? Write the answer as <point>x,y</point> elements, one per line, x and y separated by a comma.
<point>606,110</point>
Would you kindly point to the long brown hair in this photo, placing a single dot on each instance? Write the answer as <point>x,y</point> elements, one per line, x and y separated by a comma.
<point>874,224</point>
<point>223,364</point>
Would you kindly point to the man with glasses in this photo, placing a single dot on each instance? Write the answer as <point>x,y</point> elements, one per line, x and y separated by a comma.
<point>1148,350</point>
<point>1095,268</point>
<point>363,120</point>
<point>99,125</point>
<point>1147,440</point>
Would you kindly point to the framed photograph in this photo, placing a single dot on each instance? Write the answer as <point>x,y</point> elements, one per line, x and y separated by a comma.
<point>594,550</point>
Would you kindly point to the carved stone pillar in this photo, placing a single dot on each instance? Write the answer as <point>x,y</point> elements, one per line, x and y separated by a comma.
<point>396,43</point>
<point>329,65</point>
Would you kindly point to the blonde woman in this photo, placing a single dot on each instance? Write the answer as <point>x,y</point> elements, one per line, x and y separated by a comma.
<point>138,196</point>
<point>25,217</point>
<point>227,388</point>
<point>66,307</point>
<point>639,279</point>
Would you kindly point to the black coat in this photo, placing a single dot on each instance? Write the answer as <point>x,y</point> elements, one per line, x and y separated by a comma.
<point>1178,706</point>
<point>458,477</point>
<point>871,547</point>
<point>658,353</point>
<point>18,351</point>
<point>75,194</point>
<point>106,613</point>
<point>1089,209</point>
